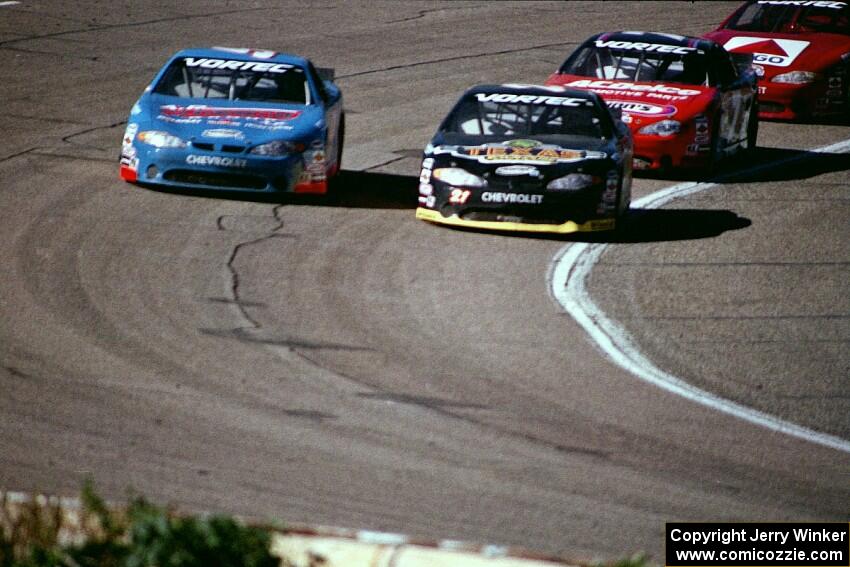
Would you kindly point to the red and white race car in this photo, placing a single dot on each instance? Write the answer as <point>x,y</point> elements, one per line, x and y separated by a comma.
<point>687,103</point>
<point>802,52</point>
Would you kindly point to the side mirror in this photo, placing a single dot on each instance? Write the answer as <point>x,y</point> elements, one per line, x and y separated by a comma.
<point>616,113</point>
<point>326,73</point>
<point>742,61</point>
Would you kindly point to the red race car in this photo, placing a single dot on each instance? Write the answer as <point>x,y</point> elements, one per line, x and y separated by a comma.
<point>802,53</point>
<point>685,99</point>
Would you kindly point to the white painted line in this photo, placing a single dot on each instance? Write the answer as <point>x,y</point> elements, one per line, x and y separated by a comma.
<point>568,275</point>
<point>8,3</point>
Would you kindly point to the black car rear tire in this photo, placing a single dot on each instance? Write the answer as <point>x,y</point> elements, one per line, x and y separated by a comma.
<point>752,129</point>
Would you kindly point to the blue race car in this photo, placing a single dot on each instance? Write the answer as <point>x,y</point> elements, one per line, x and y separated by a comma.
<point>236,119</point>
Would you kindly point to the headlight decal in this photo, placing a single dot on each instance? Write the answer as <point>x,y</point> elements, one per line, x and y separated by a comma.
<point>160,139</point>
<point>662,128</point>
<point>573,182</point>
<point>277,148</point>
<point>459,177</point>
<point>796,78</point>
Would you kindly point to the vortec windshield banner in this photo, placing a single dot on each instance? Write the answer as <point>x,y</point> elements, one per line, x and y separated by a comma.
<point>532,99</point>
<point>813,3</point>
<point>758,544</point>
<point>259,66</point>
<point>641,46</point>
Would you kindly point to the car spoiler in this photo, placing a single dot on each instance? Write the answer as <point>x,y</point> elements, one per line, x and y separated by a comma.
<point>326,73</point>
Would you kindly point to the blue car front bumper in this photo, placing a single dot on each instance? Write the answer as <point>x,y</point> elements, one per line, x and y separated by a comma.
<point>196,168</point>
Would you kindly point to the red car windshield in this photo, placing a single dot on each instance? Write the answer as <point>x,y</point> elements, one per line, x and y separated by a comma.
<point>788,16</point>
<point>614,63</point>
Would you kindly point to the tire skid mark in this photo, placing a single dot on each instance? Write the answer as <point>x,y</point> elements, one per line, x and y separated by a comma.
<point>567,277</point>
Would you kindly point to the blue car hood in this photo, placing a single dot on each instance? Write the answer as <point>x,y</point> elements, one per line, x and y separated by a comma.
<point>244,122</point>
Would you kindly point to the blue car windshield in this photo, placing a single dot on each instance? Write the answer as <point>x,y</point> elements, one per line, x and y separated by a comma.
<point>208,78</point>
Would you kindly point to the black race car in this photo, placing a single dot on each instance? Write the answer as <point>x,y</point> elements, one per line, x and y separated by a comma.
<point>528,158</point>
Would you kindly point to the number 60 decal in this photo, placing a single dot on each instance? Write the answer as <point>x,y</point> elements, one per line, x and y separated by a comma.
<point>459,196</point>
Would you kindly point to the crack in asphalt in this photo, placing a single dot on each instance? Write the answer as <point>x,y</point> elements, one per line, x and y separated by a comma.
<point>67,139</point>
<point>240,334</point>
<point>422,13</point>
<point>375,391</point>
<point>442,409</point>
<point>15,372</point>
<point>45,152</point>
<point>49,53</point>
<point>131,24</point>
<point>235,280</point>
<point>22,152</point>
<point>42,119</point>
<point>373,167</point>
<point>455,58</point>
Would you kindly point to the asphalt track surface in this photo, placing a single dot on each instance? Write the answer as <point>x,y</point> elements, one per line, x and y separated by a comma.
<point>348,365</point>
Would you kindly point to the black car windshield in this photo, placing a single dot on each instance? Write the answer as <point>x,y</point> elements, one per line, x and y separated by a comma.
<point>605,60</point>
<point>494,116</point>
<point>197,77</point>
<point>784,16</point>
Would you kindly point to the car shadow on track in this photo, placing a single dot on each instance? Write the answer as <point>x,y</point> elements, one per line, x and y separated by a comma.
<point>790,165</point>
<point>764,164</point>
<point>648,225</point>
<point>350,189</point>
<point>662,225</point>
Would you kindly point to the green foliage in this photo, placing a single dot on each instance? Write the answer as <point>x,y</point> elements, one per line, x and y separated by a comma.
<point>33,534</point>
<point>637,560</point>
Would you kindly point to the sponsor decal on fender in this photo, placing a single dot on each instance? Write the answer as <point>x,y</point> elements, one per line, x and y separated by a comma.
<point>219,161</point>
<point>642,108</point>
<point>130,134</point>
<point>768,51</point>
<point>518,198</point>
<point>222,133</point>
<point>512,170</point>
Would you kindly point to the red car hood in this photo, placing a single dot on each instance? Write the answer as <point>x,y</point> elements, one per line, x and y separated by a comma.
<point>783,52</point>
<point>645,102</point>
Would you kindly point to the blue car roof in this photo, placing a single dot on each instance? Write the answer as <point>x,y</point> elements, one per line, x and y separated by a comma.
<point>243,54</point>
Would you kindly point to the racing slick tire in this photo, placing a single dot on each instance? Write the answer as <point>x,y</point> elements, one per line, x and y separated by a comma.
<point>340,144</point>
<point>621,226</point>
<point>752,130</point>
<point>332,196</point>
<point>714,155</point>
